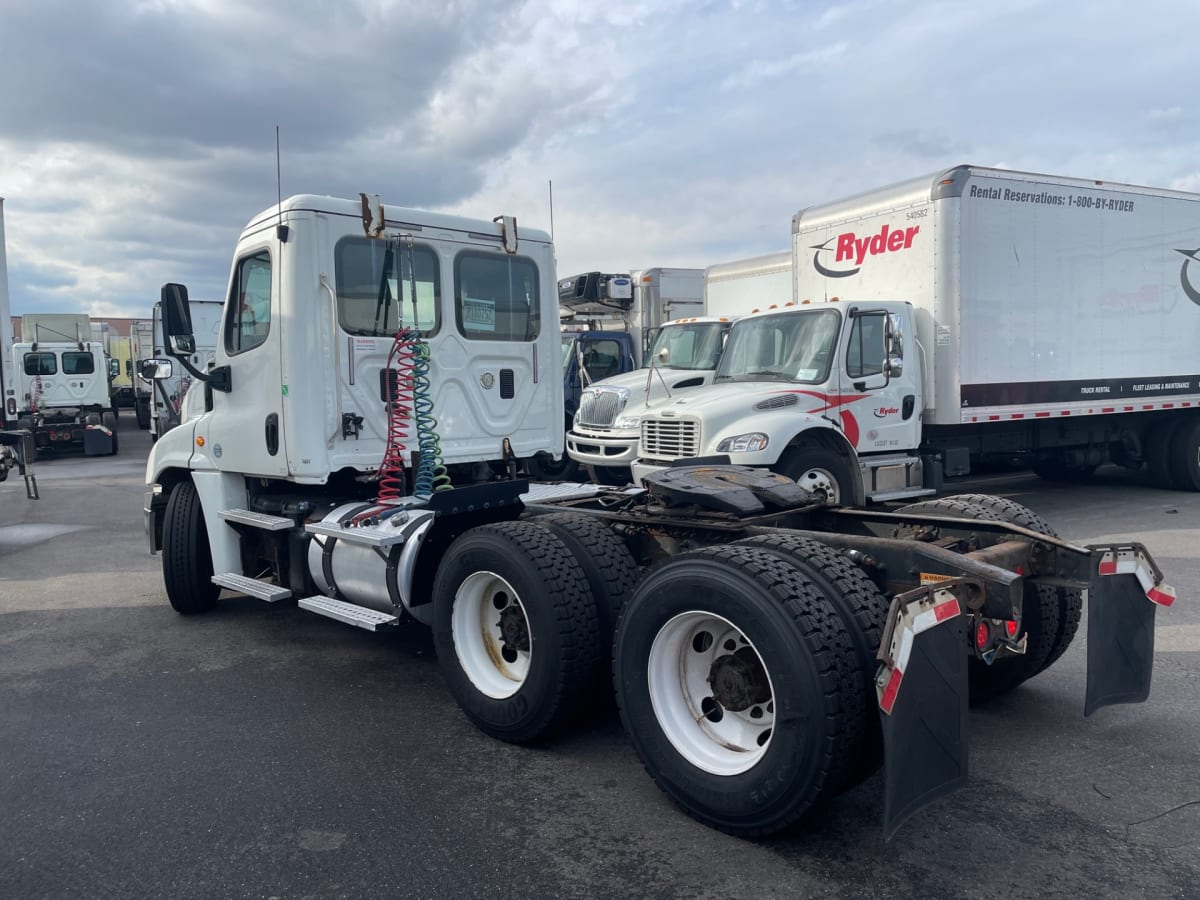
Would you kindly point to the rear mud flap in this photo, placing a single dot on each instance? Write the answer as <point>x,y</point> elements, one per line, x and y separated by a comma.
<point>923,706</point>
<point>1125,590</point>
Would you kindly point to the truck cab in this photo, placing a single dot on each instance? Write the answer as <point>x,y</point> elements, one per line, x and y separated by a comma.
<point>65,397</point>
<point>603,432</point>
<point>829,394</point>
<point>296,401</point>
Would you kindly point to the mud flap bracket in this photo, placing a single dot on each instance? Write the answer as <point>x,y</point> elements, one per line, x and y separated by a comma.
<point>922,691</point>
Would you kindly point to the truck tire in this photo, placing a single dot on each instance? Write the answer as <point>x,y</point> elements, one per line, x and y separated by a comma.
<point>610,476</point>
<point>186,557</point>
<point>141,411</point>
<point>819,471</point>
<point>735,679</point>
<point>606,562</point>
<point>1185,456</point>
<point>109,421</point>
<point>863,608</point>
<point>515,627</point>
<point>1158,446</point>
<point>1049,615</point>
<point>543,467</point>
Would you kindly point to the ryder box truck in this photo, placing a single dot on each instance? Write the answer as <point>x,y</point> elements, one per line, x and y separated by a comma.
<point>970,314</point>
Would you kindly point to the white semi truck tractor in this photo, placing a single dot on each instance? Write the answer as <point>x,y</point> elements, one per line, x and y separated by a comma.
<point>379,377</point>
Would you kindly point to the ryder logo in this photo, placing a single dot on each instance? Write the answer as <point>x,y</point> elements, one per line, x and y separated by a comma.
<point>884,411</point>
<point>851,250</point>
<point>1190,256</point>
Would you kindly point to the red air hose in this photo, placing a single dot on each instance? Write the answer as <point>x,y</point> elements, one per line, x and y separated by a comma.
<point>399,383</point>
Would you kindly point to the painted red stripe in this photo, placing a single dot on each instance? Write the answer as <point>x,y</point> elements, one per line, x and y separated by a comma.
<point>888,700</point>
<point>1108,409</point>
<point>1168,406</point>
<point>1018,415</point>
<point>1128,409</point>
<point>1042,415</point>
<point>1146,406</point>
<point>993,418</point>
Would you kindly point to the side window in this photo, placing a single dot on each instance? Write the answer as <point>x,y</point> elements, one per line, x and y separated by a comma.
<point>496,297</point>
<point>76,363</point>
<point>40,364</point>
<point>602,359</point>
<point>864,355</point>
<point>248,310</point>
<point>375,281</point>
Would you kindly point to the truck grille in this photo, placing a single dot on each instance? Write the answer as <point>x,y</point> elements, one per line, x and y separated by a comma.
<point>600,407</point>
<point>670,438</point>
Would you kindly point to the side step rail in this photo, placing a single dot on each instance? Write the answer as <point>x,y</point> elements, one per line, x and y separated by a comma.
<point>256,519</point>
<point>350,613</point>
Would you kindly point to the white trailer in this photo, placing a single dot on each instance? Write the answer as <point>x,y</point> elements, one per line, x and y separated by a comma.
<point>16,446</point>
<point>169,393</point>
<point>972,314</point>
<point>141,348</point>
<point>745,285</point>
<point>378,379</point>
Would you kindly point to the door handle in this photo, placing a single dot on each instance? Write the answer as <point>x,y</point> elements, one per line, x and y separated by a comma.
<point>272,433</point>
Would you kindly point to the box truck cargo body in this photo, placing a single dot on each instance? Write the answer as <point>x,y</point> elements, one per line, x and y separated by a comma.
<point>984,313</point>
<point>735,288</point>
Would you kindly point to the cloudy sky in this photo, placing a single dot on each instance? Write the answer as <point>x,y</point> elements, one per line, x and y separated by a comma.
<point>137,137</point>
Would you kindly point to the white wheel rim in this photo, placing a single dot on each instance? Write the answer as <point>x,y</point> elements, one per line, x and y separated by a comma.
<point>685,652</point>
<point>483,605</point>
<point>820,481</point>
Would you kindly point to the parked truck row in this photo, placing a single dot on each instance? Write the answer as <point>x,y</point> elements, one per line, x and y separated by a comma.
<point>381,377</point>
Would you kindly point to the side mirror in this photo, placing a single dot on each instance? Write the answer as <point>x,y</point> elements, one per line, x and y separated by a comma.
<point>177,319</point>
<point>893,367</point>
<point>155,369</point>
<point>114,368</point>
<point>664,356</point>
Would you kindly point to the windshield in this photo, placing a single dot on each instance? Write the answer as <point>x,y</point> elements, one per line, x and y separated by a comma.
<point>568,346</point>
<point>694,345</point>
<point>786,347</point>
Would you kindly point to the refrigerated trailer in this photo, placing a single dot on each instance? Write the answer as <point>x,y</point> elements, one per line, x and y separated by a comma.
<point>971,315</point>
<point>378,378</point>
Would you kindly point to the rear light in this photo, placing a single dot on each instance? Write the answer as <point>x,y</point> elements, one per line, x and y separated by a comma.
<point>1010,628</point>
<point>983,635</point>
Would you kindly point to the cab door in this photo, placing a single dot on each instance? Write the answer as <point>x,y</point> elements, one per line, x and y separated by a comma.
<point>244,433</point>
<point>880,382</point>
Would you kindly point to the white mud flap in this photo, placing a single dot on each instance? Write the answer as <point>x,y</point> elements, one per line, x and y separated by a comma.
<point>1125,590</point>
<point>922,691</point>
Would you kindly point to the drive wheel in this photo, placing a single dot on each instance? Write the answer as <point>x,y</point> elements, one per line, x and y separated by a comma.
<point>187,559</point>
<point>1050,616</point>
<point>515,627</point>
<point>820,472</point>
<point>863,609</point>
<point>735,680</point>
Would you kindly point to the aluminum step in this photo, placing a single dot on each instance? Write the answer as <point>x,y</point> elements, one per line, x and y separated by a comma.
<point>370,535</point>
<point>350,613</point>
<point>263,590</point>
<point>256,519</point>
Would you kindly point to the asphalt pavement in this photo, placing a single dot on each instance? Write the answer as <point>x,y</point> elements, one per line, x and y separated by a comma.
<point>262,751</point>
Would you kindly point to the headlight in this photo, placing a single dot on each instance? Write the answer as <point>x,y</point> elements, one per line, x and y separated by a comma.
<point>629,423</point>
<point>743,443</point>
<point>575,420</point>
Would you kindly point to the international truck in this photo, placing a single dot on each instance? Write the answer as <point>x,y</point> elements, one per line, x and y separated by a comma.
<point>968,316</point>
<point>381,373</point>
<point>603,433</point>
<point>609,322</point>
<point>168,393</point>
<point>64,385</point>
<point>141,348</point>
<point>16,445</point>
